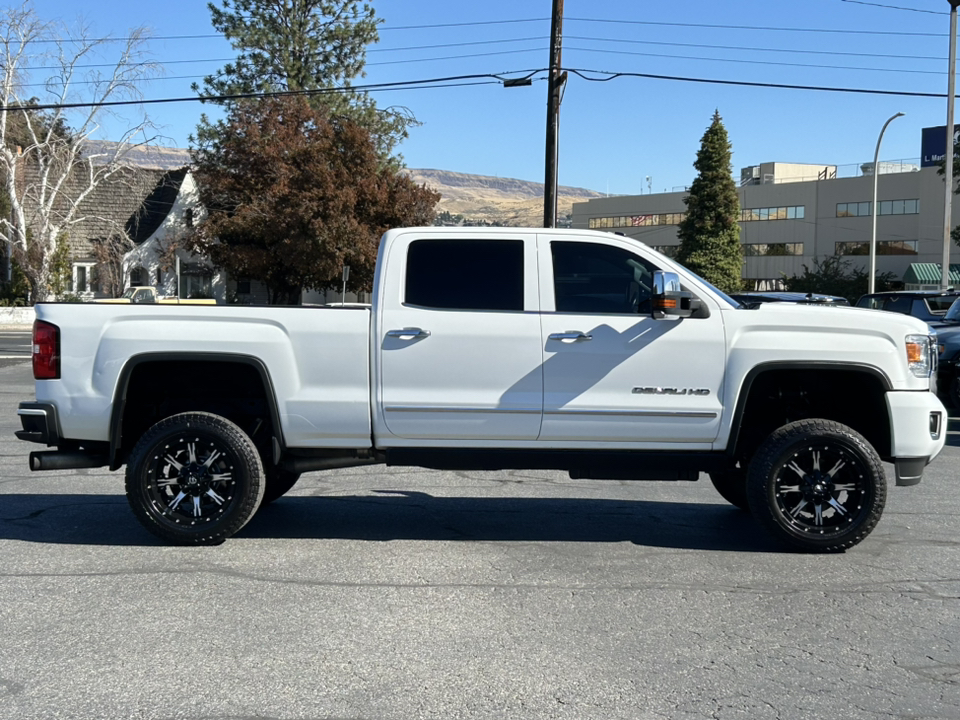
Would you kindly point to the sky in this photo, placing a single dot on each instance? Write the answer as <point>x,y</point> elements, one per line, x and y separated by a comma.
<point>619,133</point>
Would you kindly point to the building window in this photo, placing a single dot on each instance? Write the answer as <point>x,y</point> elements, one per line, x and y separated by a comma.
<point>600,223</point>
<point>792,212</point>
<point>243,287</point>
<point>772,249</point>
<point>885,247</point>
<point>136,277</point>
<point>196,281</point>
<point>465,274</point>
<point>188,217</point>
<point>886,207</point>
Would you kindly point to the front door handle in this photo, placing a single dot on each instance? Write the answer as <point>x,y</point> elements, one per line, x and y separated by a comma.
<point>412,332</point>
<point>575,335</point>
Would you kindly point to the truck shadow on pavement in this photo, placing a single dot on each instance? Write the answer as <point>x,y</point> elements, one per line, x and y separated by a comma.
<point>400,515</point>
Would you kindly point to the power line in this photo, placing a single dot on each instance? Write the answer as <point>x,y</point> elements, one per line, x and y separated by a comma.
<point>758,49</point>
<point>755,62</point>
<point>759,27</point>
<point>744,83</point>
<point>895,7</point>
<point>407,84</point>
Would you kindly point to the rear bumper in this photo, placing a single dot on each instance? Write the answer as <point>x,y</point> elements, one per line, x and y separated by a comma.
<point>918,432</point>
<point>40,422</point>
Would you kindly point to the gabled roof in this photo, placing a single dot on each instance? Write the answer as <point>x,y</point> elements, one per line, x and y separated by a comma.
<point>156,206</point>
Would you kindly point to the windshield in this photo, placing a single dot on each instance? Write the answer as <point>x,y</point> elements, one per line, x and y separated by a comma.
<point>720,293</point>
<point>953,313</point>
<point>128,293</point>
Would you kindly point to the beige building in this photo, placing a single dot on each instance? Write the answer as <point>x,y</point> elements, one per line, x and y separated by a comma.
<point>793,213</point>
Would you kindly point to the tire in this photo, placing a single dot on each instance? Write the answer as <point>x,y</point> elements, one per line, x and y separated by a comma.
<point>194,479</point>
<point>817,485</point>
<point>278,483</point>
<point>732,486</point>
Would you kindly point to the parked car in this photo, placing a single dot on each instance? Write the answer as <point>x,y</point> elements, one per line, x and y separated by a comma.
<point>948,342</point>
<point>753,299</point>
<point>929,305</point>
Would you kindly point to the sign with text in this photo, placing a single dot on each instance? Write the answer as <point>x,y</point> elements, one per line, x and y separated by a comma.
<point>933,144</point>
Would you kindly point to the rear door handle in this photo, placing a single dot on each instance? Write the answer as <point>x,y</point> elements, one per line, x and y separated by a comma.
<point>575,335</point>
<point>412,332</point>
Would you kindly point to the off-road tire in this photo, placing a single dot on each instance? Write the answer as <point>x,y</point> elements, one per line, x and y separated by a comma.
<point>817,485</point>
<point>194,479</point>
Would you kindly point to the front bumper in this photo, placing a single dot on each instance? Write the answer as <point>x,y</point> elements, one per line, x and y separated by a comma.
<point>918,432</point>
<point>40,422</point>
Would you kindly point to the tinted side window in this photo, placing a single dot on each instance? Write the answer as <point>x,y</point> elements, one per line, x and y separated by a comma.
<point>898,304</point>
<point>594,278</point>
<point>465,274</point>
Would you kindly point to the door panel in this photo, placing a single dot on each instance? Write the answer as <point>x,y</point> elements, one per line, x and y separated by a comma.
<point>459,342</point>
<point>622,376</point>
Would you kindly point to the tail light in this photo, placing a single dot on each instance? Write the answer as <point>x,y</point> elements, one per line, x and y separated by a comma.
<point>46,351</point>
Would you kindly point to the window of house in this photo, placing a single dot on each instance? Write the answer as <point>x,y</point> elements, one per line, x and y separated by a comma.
<point>465,274</point>
<point>594,278</point>
<point>243,287</point>
<point>83,278</point>
<point>196,281</point>
<point>137,277</point>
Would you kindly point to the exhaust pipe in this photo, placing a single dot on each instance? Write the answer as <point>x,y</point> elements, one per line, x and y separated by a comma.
<point>65,460</point>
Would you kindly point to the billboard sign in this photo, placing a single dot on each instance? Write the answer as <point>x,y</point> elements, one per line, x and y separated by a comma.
<point>933,144</point>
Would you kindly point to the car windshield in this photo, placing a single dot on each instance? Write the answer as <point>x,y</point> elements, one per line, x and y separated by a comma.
<point>128,293</point>
<point>719,292</point>
<point>953,313</point>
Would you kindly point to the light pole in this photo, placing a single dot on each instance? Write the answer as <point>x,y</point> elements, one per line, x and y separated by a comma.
<point>873,207</point>
<point>948,150</point>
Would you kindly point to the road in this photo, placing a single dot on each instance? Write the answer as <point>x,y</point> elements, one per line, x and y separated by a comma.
<point>393,594</point>
<point>14,345</point>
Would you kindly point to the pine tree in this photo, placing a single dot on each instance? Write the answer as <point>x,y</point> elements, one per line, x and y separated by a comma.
<point>710,233</point>
<point>316,46</point>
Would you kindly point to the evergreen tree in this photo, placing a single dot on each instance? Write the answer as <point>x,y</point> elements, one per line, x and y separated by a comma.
<point>317,46</point>
<point>710,232</point>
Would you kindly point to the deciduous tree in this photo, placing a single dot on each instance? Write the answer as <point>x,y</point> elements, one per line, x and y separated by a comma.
<point>46,164</point>
<point>710,232</point>
<point>293,194</point>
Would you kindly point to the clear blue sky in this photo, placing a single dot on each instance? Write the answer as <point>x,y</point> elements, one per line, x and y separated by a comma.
<point>615,134</point>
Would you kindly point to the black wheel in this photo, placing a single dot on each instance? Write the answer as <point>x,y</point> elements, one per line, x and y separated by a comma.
<point>194,479</point>
<point>732,486</point>
<point>278,483</point>
<point>817,485</point>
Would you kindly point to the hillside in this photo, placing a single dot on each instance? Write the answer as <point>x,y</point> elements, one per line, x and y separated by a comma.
<point>495,199</point>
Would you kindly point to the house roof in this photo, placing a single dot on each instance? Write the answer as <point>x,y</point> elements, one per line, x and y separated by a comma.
<point>929,274</point>
<point>155,207</point>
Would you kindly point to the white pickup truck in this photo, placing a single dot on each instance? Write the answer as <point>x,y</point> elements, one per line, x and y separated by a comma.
<point>487,349</point>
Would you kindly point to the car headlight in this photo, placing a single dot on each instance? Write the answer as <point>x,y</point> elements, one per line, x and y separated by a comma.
<point>921,354</point>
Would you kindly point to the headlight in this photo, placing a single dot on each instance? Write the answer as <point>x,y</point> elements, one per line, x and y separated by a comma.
<point>921,354</point>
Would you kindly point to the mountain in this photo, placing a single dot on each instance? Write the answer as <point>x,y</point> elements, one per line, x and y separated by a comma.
<point>506,201</point>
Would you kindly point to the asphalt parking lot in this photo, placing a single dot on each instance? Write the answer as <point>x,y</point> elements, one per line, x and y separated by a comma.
<point>389,593</point>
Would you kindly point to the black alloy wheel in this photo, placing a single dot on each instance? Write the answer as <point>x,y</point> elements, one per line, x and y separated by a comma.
<point>194,479</point>
<point>817,485</point>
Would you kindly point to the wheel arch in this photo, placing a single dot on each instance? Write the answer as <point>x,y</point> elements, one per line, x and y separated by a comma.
<point>136,368</point>
<point>754,415</point>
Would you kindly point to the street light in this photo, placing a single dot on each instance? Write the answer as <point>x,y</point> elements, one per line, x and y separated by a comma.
<point>873,232</point>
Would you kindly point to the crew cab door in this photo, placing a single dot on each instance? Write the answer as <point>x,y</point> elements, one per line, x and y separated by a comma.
<point>458,338</point>
<point>611,372</point>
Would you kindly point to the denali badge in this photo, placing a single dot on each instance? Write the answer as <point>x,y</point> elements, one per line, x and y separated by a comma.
<point>670,391</point>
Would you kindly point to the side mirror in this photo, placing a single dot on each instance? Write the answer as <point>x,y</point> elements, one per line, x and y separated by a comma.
<point>669,300</point>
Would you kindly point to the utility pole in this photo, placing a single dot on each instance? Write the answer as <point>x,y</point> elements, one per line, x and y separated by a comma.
<point>948,154</point>
<point>554,85</point>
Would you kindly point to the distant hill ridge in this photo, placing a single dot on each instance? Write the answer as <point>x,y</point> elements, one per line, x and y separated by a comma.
<point>496,199</point>
<point>478,198</point>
